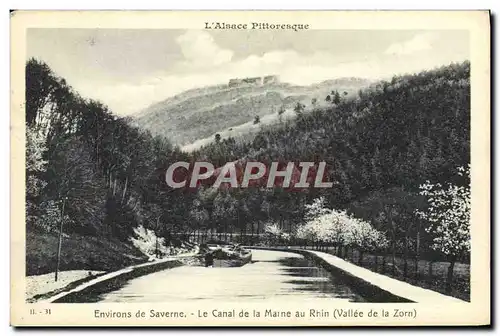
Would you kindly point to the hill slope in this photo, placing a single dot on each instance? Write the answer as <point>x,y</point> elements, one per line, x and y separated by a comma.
<point>395,134</point>
<point>199,113</point>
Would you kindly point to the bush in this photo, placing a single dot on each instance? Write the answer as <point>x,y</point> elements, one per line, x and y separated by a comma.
<point>148,243</point>
<point>274,235</point>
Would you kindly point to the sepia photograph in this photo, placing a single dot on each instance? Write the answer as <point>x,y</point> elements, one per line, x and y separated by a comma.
<point>213,172</point>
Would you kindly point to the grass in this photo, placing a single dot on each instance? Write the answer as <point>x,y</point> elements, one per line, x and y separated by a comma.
<point>78,253</point>
<point>66,288</point>
<point>425,274</point>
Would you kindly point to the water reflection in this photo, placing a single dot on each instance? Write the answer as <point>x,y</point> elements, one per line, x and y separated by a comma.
<point>309,277</point>
<point>272,275</point>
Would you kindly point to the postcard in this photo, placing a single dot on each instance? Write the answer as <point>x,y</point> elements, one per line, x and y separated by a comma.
<point>250,168</point>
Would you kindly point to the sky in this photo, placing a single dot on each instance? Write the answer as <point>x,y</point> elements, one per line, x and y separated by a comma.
<point>128,70</point>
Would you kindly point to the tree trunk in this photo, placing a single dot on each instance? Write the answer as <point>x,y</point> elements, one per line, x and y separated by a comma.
<point>417,254</point>
<point>384,261</point>
<point>394,257</point>
<point>405,267</point>
<point>393,235</point>
<point>60,239</point>
<point>156,234</point>
<point>449,278</point>
<point>430,272</point>
<point>156,247</point>
<point>125,189</point>
<point>416,267</point>
<point>114,187</point>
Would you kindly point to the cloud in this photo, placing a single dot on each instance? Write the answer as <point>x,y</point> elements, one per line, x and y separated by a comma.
<point>290,66</point>
<point>200,50</point>
<point>206,63</point>
<point>420,42</point>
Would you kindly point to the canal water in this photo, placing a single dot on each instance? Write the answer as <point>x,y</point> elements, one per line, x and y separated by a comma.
<point>271,274</point>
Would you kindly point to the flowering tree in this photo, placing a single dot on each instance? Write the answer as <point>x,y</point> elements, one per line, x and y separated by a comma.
<point>328,227</point>
<point>448,215</point>
<point>275,235</point>
<point>148,243</point>
<point>35,148</point>
<point>363,236</point>
<point>339,227</point>
<point>316,209</point>
<point>35,167</point>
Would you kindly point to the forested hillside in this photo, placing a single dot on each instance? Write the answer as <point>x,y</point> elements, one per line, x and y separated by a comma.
<point>104,177</point>
<point>96,170</point>
<point>379,147</point>
<point>199,113</point>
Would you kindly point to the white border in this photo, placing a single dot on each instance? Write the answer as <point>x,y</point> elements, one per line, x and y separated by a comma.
<point>185,4</point>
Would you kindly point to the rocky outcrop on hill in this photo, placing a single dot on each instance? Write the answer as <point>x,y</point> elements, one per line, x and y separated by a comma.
<point>253,81</point>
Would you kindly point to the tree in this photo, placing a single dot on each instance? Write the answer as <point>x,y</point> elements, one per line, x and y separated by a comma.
<point>36,167</point>
<point>363,236</point>
<point>340,228</point>
<point>336,97</point>
<point>217,138</point>
<point>275,235</point>
<point>71,175</point>
<point>281,110</point>
<point>148,242</point>
<point>328,98</point>
<point>225,211</point>
<point>314,101</point>
<point>95,173</point>
<point>198,214</point>
<point>299,108</point>
<point>448,216</point>
<point>40,85</point>
<point>316,209</point>
<point>256,120</point>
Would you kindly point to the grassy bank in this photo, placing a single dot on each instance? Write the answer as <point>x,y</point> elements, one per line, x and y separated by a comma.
<point>95,292</point>
<point>425,274</point>
<point>78,253</point>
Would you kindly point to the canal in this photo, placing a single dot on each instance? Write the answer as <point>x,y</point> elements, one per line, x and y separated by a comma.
<point>271,274</point>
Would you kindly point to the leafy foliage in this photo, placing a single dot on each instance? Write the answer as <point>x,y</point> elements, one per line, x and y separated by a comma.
<point>448,215</point>
<point>148,243</point>
<point>107,173</point>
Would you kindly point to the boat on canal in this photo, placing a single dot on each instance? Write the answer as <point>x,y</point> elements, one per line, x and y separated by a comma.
<point>225,255</point>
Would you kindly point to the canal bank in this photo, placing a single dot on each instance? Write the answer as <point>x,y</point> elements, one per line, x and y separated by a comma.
<point>378,287</point>
<point>275,273</point>
<point>92,290</point>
